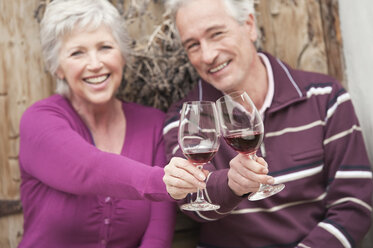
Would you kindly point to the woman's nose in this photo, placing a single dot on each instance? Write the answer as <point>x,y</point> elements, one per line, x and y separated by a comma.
<point>94,62</point>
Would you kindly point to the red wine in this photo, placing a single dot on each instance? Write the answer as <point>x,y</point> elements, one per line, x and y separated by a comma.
<point>200,157</point>
<point>245,143</point>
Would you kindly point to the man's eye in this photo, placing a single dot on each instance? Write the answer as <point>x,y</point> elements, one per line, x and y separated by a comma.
<point>192,46</point>
<point>216,34</point>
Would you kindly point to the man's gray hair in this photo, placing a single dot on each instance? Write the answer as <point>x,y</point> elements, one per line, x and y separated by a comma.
<point>238,9</point>
<point>63,16</point>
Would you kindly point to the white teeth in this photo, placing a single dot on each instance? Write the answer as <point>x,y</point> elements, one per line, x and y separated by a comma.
<point>218,68</point>
<point>96,80</point>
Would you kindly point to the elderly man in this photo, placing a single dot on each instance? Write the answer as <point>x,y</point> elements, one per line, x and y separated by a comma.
<point>313,142</point>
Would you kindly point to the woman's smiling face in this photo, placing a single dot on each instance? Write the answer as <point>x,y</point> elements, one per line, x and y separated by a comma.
<point>91,62</point>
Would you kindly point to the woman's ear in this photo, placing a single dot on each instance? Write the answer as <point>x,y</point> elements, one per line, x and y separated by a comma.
<point>59,73</point>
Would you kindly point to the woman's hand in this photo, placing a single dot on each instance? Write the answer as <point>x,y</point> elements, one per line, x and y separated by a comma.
<point>245,174</point>
<point>182,177</point>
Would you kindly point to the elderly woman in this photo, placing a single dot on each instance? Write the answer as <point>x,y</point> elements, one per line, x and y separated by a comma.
<point>89,162</point>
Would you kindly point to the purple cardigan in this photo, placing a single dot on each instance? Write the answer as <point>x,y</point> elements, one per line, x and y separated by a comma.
<point>75,195</point>
<point>313,144</point>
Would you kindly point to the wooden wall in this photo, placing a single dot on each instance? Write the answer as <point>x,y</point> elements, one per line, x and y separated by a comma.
<point>304,33</point>
<point>22,81</point>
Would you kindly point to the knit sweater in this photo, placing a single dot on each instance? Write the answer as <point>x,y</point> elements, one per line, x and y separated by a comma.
<point>75,195</point>
<point>314,145</point>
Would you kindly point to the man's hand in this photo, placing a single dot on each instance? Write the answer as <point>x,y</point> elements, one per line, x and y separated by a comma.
<point>182,177</point>
<point>245,174</point>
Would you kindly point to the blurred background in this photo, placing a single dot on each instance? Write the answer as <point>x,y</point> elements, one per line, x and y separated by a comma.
<point>327,36</point>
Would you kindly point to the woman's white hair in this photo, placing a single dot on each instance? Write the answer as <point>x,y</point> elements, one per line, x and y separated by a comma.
<point>238,9</point>
<point>63,16</point>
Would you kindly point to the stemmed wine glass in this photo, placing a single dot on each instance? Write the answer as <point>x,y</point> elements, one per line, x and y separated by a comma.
<point>198,138</point>
<point>243,129</point>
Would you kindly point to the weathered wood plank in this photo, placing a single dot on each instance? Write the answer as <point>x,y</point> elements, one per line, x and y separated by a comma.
<point>3,38</point>
<point>292,31</point>
<point>11,231</point>
<point>11,189</point>
<point>13,144</point>
<point>23,80</point>
<point>333,39</point>
<point>4,147</point>
<point>26,80</point>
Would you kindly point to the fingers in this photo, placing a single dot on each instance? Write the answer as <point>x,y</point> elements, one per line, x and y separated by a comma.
<point>244,164</point>
<point>241,185</point>
<point>245,174</point>
<point>178,193</point>
<point>206,172</point>
<point>181,178</point>
<point>185,165</point>
<point>261,161</point>
<point>184,170</point>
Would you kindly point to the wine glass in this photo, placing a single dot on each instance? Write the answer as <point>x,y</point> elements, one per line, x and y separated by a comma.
<point>198,138</point>
<point>243,130</point>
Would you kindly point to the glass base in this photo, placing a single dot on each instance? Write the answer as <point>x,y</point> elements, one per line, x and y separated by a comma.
<point>199,206</point>
<point>266,190</point>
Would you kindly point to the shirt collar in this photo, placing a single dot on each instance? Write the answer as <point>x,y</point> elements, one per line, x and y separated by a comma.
<point>271,84</point>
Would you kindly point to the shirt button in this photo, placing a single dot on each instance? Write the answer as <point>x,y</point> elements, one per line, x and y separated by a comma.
<point>107,199</point>
<point>107,221</point>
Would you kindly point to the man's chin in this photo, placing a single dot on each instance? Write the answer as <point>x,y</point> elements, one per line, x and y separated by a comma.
<point>223,86</point>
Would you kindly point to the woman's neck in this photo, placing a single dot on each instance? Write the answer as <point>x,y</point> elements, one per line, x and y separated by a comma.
<point>98,117</point>
<point>107,124</point>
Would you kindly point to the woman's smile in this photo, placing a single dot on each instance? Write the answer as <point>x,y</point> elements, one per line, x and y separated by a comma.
<point>95,80</point>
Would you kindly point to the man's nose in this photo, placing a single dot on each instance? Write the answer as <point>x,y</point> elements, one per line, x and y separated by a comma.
<point>209,53</point>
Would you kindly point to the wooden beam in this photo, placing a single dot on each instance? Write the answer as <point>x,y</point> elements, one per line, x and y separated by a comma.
<point>10,207</point>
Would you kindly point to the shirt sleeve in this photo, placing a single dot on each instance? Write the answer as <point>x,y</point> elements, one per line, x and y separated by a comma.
<point>57,155</point>
<point>159,232</point>
<point>348,199</point>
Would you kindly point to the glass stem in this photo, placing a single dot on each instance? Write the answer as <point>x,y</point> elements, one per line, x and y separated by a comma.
<point>200,197</point>
<point>253,156</point>
<point>261,185</point>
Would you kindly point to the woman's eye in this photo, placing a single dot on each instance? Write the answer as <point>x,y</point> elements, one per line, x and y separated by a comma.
<point>76,53</point>
<point>106,47</point>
